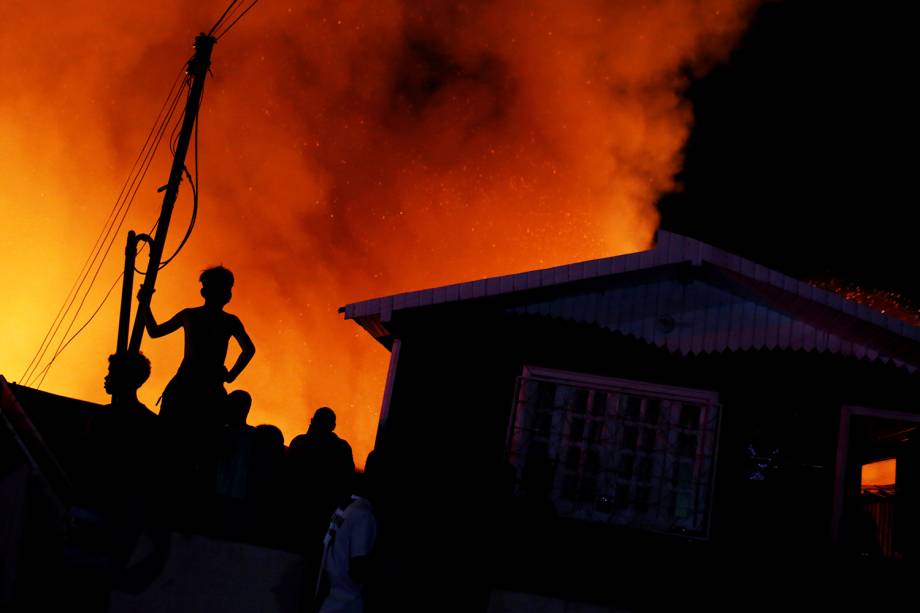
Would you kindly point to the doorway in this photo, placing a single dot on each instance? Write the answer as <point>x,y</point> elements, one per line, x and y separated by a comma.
<point>878,477</point>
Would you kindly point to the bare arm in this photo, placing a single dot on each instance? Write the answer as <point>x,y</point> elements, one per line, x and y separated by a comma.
<point>167,327</point>
<point>150,322</point>
<point>248,349</point>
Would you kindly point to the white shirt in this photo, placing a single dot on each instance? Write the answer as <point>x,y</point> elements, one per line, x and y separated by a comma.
<point>351,534</point>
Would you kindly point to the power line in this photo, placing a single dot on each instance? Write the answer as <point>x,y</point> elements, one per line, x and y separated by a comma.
<point>222,17</point>
<point>126,199</point>
<point>174,136</point>
<point>142,158</point>
<point>227,29</point>
<point>120,211</point>
<point>60,350</point>
<point>113,231</point>
<point>191,225</point>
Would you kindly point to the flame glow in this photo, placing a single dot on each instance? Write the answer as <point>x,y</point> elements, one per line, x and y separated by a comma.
<point>879,473</point>
<point>348,149</point>
<point>886,302</point>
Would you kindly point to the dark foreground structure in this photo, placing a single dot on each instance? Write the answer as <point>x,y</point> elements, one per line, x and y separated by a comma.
<point>675,429</point>
<point>84,528</point>
<point>657,431</point>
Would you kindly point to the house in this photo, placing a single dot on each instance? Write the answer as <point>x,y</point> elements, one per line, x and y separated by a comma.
<point>643,431</point>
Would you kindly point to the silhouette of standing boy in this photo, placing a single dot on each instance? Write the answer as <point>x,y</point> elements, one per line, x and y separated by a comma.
<point>193,396</point>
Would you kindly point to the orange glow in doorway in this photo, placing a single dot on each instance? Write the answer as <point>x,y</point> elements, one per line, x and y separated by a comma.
<point>879,473</point>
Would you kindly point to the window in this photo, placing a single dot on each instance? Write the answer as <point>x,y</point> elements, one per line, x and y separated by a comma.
<point>878,476</point>
<point>616,451</point>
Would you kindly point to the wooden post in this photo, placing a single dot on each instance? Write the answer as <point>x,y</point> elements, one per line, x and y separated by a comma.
<point>127,287</point>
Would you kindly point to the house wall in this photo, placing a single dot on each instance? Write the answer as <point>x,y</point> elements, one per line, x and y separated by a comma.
<point>449,483</point>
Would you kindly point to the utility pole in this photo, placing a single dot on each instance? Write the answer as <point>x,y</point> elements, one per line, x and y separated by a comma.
<point>197,69</point>
<point>127,287</point>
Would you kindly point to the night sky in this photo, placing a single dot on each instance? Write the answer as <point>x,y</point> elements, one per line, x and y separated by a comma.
<point>803,150</point>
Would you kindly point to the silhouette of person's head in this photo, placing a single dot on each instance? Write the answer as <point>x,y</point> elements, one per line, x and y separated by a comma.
<point>127,372</point>
<point>268,439</point>
<point>323,420</point>
<point>216,286</point>
<point>238,404</point>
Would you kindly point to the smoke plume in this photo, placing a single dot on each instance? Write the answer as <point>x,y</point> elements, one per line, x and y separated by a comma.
<point>347,150</point>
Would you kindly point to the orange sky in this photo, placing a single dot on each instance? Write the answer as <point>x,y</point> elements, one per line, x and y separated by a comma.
<point>348,150</point>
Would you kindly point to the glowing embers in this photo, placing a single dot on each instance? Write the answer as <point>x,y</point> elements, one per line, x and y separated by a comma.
<point>886,302</point>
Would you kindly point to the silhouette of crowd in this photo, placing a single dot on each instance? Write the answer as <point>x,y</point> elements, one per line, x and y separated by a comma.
<point>199,466</point>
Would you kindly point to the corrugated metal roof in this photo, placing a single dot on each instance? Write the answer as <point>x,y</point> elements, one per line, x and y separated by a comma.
<point>697,317</point>
<point>746,305</point>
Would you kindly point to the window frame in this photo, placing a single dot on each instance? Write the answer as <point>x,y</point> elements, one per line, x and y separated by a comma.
<point>661,457</point>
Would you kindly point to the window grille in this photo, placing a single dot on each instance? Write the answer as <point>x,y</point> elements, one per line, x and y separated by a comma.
<point>622,452</point>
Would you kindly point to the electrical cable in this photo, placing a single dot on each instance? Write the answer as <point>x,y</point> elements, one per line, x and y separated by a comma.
<point>114,234</point>
<point>47,368</point>
<point>222,17</point>
<point>121,211</point>
<point>191,224</point>
<point>194,185</point>
<point>227,29</point>
<point>174,136</point>
<point>75,289</point>
<point>87,263</point>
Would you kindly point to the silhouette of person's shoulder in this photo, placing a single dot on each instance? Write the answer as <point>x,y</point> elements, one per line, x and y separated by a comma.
<point>231,319</point>
<point>298,443</point>
<point>126,414</point>
<point>185,314</point>
<point>139,411</point>
<point>335,439</point>
<point>320,440</point>
<point>346,456</point>
<point>324,447</point>
<point>342,444</point>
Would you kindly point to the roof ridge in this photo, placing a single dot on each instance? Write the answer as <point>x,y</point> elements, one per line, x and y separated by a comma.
<point>670,248</point>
